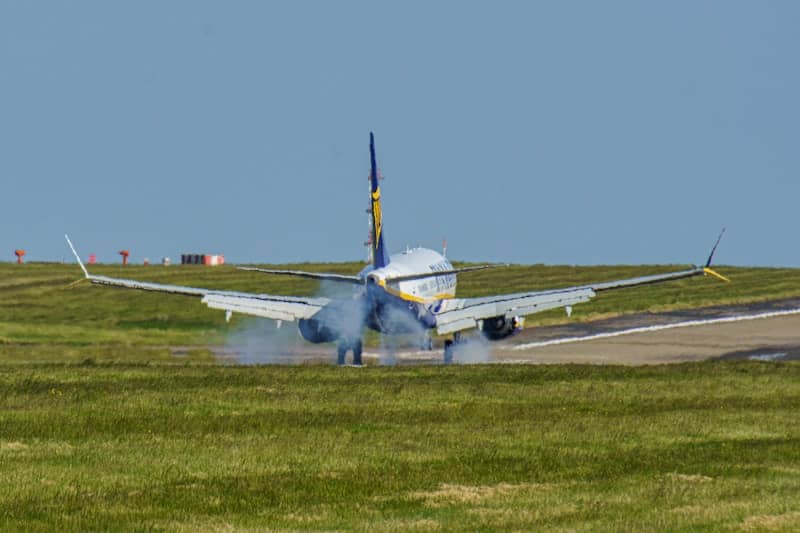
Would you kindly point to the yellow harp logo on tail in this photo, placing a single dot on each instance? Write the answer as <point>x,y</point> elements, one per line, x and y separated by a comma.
<point>376,216</point>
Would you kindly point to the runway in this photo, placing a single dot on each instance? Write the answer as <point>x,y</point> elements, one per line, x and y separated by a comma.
<point>759,331</point>
<point>762,331</point>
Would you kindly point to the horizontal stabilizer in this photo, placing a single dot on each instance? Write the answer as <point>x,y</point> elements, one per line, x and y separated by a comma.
<point>424,275</point>
<point>311,275</point>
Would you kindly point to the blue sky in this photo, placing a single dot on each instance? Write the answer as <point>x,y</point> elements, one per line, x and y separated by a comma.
<point>530,132</point>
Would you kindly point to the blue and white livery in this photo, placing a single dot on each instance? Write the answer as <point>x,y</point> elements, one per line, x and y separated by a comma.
<point>410,292</point>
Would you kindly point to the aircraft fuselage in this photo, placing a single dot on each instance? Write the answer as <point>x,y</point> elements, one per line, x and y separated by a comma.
<point>395,307</point>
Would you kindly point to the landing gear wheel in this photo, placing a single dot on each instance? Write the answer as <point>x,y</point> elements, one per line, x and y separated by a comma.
<point>450,347</point>
<point>341,351</point>
<point>426,343</point>
<point>448,351</point>
<point>357,349</point>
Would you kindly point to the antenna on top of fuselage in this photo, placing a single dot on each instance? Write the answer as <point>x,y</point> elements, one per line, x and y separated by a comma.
<point>377,247</point>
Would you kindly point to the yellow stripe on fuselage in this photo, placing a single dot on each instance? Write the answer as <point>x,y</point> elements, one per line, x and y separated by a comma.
<point>411,297</point>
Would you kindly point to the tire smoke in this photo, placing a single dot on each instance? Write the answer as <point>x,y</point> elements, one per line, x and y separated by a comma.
<point>261,342</point>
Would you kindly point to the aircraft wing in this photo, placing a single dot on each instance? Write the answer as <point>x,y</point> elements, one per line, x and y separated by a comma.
<point>286,308</point>
<point>464,313</point>
<point>262,305</point>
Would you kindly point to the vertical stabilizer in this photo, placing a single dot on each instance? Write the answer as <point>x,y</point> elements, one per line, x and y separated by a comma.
<point>379,256</point>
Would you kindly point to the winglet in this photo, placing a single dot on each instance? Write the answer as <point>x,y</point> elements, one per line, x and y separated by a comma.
<point>77,257</point>
<point>714,249</point>
<point>707,268</point>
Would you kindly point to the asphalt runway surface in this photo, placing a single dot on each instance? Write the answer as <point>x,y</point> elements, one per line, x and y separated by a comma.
<point>692,336</point>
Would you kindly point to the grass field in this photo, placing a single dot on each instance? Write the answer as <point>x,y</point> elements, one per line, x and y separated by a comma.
<point>194,447</point>
<point>102,427</point>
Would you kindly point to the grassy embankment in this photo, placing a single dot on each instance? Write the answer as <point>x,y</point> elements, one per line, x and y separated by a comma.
<point>39,320</point>
<point>187,447</point>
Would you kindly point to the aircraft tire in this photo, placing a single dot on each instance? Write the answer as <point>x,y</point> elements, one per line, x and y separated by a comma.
<point>427,344</point>
<point>449,347</point>
<point>357,350</point>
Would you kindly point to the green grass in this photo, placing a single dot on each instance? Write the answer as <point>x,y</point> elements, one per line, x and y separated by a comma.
<point>103,428</point>
<point>42,321</point>
<point>187,447</point>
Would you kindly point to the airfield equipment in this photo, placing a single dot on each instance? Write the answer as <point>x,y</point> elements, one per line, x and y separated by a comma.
<point>20,254</point>
<point>202,259</point>
<point>124,254</point>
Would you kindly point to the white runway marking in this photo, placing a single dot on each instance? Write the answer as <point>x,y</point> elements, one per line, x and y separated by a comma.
<point>660,327</point>
<point>767,356</point>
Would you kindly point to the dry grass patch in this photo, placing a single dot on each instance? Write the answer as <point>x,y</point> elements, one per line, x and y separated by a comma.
<point>785,470</point>
<point>204,525</point>
<point>773,522</point>
<point>472,494</point>
<point>423,524</point>
<point>690,478</point>
<point>711,511</point>
<point>13,446</point>
<point>504,514</point>
<point>307,519</point>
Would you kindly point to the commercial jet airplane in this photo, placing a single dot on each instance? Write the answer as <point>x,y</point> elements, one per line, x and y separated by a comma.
<point>410,292</point>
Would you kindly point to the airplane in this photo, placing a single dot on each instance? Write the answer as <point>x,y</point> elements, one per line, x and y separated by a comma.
<point>410,292</point>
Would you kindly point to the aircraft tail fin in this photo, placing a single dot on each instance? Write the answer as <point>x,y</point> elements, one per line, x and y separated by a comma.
<point>380,258</point>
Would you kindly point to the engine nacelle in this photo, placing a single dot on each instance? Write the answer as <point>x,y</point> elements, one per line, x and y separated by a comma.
<point>501,327</point>
<point>315,331</point>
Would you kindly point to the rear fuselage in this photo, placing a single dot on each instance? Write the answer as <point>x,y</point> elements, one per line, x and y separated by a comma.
<point>407,306</point>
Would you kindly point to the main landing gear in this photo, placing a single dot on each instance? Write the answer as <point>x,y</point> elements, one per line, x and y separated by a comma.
<point>450,346</point>
<point>343,346</point>
<point>426,342</point>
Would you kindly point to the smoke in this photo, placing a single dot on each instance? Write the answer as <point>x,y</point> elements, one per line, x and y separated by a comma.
<point>387,351</point>
<point>260,342</point>
<point>410,333</point>
<point>471,351</point>
<point>335,290</point>
<point>252,341</point>
<point>405,330</point>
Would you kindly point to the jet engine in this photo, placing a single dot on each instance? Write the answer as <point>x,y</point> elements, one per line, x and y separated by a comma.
<point>501,327</point>
<point>340,320</point>
<point>315,331</point>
